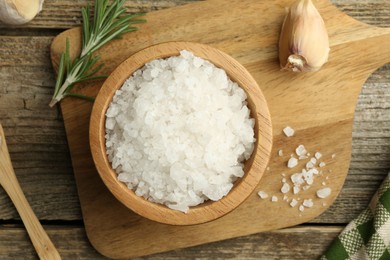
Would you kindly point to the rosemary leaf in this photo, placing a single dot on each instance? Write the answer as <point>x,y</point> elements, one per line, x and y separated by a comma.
<point>108,22</point>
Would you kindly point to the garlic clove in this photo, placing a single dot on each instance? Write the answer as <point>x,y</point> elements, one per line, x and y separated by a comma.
<point>19,11</point>
<point>304,41</point>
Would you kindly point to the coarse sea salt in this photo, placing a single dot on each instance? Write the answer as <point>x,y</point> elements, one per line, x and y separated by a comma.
<point>324,192</point>
<point>292,162</point>
<point>288,131</point>
<point>178,132</point>
<point>300,150</point>
<point>285,188</point>
<point>317,155</point>
<point>308,203</point>
<point>262,194</point>
<point>293,202</point>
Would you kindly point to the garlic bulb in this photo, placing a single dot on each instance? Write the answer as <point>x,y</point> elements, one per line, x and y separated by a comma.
<point>19,11</point>
<point>303,43</point>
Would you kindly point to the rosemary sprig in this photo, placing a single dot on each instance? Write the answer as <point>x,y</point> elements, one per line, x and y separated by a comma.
<point>109,22</point>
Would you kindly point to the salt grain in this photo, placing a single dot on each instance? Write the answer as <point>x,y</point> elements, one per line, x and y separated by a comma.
<point>262,194</point>
<point>163,132</point>
<point>274,199</point>
<point>297,178</point>
<point>280,152</point>
<point>322,164</point>
<point>323,193</point>
<point>308,203</point>
<point>309,165</point>
<point>313,160</point>
<point>285,188</point>
<point>292,162</point>
<point>317,155</point>
<point>288,131</point>
<point>293,202</point>
<point>296,190</point>
<point>301,208</point>
<point>300,150</point>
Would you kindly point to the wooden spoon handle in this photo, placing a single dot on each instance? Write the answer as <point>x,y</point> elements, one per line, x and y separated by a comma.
<point>38,236</point>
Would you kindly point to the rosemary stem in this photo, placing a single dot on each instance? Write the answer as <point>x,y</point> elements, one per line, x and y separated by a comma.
<point>109,22</point>
<point>60,93</point>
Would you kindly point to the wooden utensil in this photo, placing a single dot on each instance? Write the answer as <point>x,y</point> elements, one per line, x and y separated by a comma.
<point>38,236</point>
<point>254,168</point>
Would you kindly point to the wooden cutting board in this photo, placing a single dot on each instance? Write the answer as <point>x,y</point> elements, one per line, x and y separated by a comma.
<point>319,106</point>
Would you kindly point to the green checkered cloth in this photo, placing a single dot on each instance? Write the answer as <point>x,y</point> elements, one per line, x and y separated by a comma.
<point>368,236</point>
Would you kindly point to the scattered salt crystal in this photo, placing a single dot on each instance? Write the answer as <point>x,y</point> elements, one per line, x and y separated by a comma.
<point>293,202</point>
<point>300,150</point>
<point>308,175</point>
<point>327,178</point>
<point>283,174</point>
<point>285,197</point>
<point>284,180</point>
<point>274,199</point>
<point>296,189</point>
<point>288,131</point>
<point>309,165</point>
<point>306,187</point>
<point>285,188</point>
<point>323,193</point>
<point>317,155</point>
<point>262,194</point>
<point>297,178</point>
<point>333,156</point>
<point>308,203</point>
<point>303,157</point>
<point>292,162</point>
<point>322,164</point>
<point>301,208</point>
<point>313,160</point>
<point>308,154</point>
<point>323,183</point>
<point>280,152</point>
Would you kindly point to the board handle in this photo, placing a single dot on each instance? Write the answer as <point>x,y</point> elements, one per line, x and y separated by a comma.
<point>375,50</point>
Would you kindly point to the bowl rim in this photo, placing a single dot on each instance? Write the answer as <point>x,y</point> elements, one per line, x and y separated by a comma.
<point>207,211</point>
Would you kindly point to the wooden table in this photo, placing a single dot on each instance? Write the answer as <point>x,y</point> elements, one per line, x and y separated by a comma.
<point>40,155</point>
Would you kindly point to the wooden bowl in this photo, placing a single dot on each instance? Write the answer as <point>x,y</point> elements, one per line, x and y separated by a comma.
<point>254,167</point>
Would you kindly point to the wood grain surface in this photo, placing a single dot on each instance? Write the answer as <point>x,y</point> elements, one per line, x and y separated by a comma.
<point>39,238</point>
<point>38,147</point>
